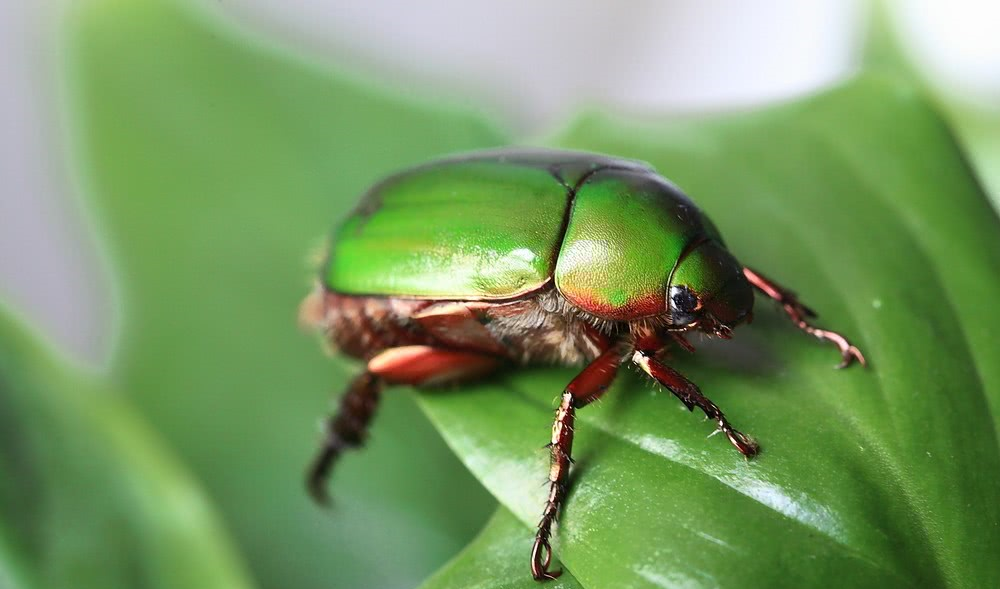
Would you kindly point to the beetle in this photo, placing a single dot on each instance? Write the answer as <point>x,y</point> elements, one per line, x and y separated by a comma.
<point>449,270</point>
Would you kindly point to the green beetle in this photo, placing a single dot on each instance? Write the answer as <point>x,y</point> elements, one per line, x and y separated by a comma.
<point>449,270</point>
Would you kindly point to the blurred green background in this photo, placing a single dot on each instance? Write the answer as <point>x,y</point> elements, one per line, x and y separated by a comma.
<point>210,162</point>
<point>255,154</point>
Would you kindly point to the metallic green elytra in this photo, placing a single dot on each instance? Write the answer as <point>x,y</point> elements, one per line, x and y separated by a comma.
<point>610,234</point>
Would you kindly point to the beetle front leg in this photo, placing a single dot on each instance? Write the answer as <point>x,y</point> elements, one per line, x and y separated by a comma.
<point>798,313</point>
<point>587,386</point>
<point>692,397</point>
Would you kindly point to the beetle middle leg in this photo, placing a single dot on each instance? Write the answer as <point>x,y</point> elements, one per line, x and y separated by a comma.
<point>412,365</point>
<point>586,387</point>
<point>799,314</point>
<point>692,397</point>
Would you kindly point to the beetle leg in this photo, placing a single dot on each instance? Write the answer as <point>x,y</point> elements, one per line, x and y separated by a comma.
<point>692,397</point>
<point>798,313</point>
<point>457,325</point>
<point>587,386</point>
<point>347,428</point>
<point>413,365</point>
<point>428,365</point>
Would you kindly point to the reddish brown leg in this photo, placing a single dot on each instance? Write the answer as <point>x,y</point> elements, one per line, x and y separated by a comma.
<point>346,429</point>
<point>414,365</point>
<point>692,397</point>
<point>427,365</point>
<point>798,313</point>
<point>589,385</point>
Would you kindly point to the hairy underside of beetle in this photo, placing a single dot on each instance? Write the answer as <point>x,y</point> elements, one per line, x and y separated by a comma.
<point>539,329</point>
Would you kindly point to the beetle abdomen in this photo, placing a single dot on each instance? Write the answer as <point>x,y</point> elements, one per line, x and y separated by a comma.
<point>539,329</point>
<point>361,326</point>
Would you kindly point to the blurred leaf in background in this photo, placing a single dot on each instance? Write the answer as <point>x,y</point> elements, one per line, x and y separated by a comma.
<point>895,47</point>
<point>215,166</point>
<point>88,497</point>
<point>885,477</point>
<point>214,163</point>
<point>979,131</point>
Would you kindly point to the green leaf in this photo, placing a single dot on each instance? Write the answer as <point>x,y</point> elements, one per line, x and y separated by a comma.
<point>215,166</point>
<point>88,496</point>
<point>495,560</point>
<point>879,477</point>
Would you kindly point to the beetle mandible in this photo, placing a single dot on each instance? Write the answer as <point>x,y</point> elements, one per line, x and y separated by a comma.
<point>448,270</point>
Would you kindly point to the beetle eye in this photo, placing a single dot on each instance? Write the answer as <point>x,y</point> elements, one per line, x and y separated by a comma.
<point>683,301</point>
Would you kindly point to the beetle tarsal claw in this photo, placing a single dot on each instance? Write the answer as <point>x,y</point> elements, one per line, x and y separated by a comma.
<point>541,558</point>
<point>316,482</point>
<point>746,445</point>
<point>848,352</point>
<point>849,355</point>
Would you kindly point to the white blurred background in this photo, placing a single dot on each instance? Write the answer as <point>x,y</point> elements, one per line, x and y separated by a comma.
<point>531,64</point>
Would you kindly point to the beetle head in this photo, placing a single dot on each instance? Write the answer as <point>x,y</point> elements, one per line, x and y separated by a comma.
<point>708,290</point>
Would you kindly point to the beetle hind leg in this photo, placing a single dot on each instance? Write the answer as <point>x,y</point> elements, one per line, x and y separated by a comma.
<point>412,365</point>
<point>346,429</point>
<point>799,314</point>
